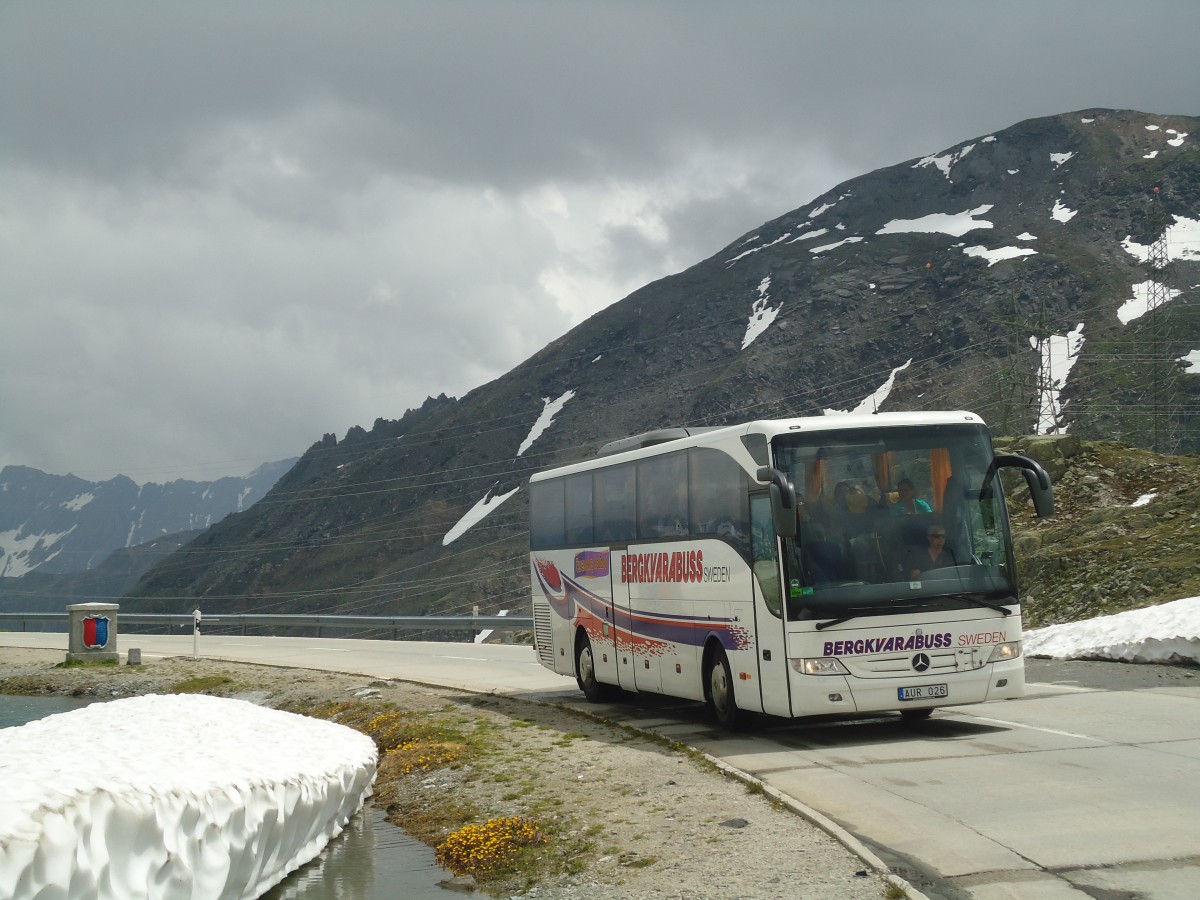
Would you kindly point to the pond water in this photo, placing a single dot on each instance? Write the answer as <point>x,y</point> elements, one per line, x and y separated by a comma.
<point>19,710</point>
<point>370,860</point>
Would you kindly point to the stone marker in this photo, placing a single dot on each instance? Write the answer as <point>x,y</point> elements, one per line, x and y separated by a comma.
<point>93,636</point>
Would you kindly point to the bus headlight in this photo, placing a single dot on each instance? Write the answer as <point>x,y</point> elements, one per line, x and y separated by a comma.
<point>823,665</point>
<point>1002,652</point>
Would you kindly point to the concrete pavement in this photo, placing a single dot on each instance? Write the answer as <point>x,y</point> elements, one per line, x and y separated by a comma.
<point>1066,793</point>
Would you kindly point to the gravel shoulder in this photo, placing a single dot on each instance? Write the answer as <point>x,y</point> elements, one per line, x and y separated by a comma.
<point>641,818</point>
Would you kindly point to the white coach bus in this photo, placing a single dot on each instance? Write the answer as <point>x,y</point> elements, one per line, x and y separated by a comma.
<point>799,567</point>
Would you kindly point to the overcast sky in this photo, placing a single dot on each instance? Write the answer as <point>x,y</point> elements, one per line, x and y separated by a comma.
<point>227,228</point>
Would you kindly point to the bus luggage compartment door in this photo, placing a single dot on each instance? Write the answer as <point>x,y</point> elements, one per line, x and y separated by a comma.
<point>622,632</point>
<point>641,657</point>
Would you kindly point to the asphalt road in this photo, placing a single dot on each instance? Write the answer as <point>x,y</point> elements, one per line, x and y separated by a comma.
<point>1087,787</point>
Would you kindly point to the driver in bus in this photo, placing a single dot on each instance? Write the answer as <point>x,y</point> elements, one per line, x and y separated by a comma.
<point>936,554</point>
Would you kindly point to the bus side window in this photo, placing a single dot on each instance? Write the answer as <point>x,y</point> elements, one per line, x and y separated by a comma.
<point>718,489</point>
<point>662,497</point>
<point>546,514</point>
<point>766,556</point>
<point>613,501</point>
<point>579,508</point>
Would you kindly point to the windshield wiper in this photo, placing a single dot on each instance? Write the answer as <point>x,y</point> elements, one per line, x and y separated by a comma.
<point>977,599</point>
<point>860,611</point>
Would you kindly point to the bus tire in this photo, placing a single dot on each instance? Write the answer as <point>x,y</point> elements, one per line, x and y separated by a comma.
<point>585,671</point>
<point>718,691</point>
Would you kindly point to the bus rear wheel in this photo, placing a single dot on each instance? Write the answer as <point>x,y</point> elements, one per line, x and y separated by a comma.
<point>585,671</point>
<point>718,692</point>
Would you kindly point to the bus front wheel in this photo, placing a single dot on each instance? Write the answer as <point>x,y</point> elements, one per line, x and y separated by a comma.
<point>719,692</point>
<point>585,671</point>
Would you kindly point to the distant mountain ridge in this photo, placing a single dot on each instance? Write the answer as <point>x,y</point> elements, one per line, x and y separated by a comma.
<point>107,582</point>
<point>58,524</point>
<point>1006,275</point>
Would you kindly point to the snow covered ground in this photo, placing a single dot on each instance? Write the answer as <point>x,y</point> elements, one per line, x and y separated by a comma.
<point>181,796</point>
<point>1166,633</point>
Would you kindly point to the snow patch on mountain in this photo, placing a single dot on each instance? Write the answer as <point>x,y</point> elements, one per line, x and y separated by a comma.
<point>999,254</point>
<point>953,224</point>
<point>550,409</point>
<point>1061,213</point>
<point>825,207</point>
<point>1140,303</point>
<point>24,552</point>
<point>475,515</point>
<point>945,162</point>
<point>77,503</point>
<point>1183,241</point>
<point>1058,354</point>
<point>761,313</point>
<point>874,400</point>
<point>827,247</point>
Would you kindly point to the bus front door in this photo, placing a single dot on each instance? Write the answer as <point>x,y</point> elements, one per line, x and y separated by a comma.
<point>771,643</point>
<point>622,628</point>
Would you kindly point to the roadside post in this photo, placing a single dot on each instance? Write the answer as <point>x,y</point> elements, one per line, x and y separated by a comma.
<point>93,632</point>
<point>195,634</point>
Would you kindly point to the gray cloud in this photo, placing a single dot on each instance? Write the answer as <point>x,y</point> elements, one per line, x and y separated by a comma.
<point>228,228</point>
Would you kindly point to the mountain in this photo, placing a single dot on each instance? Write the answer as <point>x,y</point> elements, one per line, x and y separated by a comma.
<point>1123,534</point>
<point>39,592</point>
<point>58,524</point>
<point>1007,275</point>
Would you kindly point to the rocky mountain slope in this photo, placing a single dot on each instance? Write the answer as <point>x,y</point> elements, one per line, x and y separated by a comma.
<point>57,524</point>
<point>1125,534</point>
<point>1006,275</point>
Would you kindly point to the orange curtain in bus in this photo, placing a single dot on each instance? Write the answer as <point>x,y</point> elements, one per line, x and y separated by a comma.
<point>939,474</point>
<point>881,465</point>
<point>814,477</point>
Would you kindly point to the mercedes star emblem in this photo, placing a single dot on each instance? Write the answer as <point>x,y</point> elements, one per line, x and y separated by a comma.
<point>920,662</point>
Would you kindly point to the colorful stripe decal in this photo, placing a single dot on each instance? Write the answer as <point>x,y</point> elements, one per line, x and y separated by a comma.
<point>648,633</point>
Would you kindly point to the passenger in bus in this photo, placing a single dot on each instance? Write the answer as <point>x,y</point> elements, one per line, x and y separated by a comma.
<point>846,515</point>
<point>907,504</point>
<point>936,554</point>
<point>847,545</point>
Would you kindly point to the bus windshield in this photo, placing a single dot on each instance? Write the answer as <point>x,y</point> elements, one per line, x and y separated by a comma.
<point>894,519</point>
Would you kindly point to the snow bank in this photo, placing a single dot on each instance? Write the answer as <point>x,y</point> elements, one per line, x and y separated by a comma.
<point>1156,634</point>
<point>183,796</point>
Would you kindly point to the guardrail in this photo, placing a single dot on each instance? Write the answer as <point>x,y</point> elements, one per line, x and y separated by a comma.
<point>221,622</point>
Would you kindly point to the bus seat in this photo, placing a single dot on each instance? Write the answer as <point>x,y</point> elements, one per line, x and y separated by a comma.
<point>824,562</point>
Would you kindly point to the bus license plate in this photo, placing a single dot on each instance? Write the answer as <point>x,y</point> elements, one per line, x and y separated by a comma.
<point>924,692</point>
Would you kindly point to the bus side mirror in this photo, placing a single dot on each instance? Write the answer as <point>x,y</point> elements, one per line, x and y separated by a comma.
<point>783,500</point>
<point>1036,477</point>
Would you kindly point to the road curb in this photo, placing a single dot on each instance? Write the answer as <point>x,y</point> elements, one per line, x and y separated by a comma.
<point>830,827</point>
